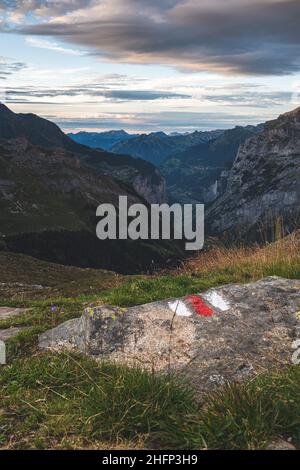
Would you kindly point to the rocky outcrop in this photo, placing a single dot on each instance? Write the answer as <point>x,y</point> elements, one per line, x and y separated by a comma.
<point>228,333</point>
<point>152,187</point>
<point>264,182</point>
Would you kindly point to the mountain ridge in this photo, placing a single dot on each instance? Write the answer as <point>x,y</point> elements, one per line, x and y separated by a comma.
<point>101,140</point>
<point>157,146</point>
<point>141,175</point>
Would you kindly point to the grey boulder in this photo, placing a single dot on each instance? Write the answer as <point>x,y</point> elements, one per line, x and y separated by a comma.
<point>245,329</point>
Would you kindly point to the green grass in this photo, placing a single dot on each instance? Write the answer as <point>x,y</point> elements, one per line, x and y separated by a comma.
<point>56,397</point>
<point>42,315</point>
<point>250,415</point>
<point>143,290</point>
<point>67,400</point>
<point>21,274</point>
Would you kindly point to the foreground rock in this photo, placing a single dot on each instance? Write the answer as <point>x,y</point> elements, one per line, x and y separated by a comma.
<point>229,333</point>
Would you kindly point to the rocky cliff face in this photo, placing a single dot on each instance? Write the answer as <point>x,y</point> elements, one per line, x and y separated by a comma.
<point>152,187</point>
<point>143,177</point>
<point>198,174</point>
<point>264,182</point>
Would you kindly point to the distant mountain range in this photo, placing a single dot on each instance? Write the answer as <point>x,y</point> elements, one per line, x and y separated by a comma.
<point>101,140</point>
<point>248,178</point>
<point>154,147</point>
<point>192,163</point>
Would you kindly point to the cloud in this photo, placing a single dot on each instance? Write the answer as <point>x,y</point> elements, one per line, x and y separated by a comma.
<point>93,90</point>
<point>142,95</point>
<point>168,121</point>
<point>52,46</point>
<point>9,67</point>
<point>252,99</point>
<point>260,37</point>
<point>43,8</point>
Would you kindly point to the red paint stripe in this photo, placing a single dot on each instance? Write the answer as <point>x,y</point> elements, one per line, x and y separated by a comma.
<point>199,306</point>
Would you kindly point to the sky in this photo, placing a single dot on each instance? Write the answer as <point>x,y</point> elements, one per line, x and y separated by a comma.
<point>149,65</point>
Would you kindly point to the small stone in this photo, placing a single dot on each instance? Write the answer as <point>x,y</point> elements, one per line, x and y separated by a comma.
<point>9,312</point>
<point>280,444</point>
<point>8,333</point>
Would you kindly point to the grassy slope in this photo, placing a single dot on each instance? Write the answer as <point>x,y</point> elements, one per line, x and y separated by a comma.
<point>240,416</point>
<point>54,280</point>
<point>54,209</point>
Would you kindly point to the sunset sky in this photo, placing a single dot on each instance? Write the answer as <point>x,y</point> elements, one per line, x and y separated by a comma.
<point>173,65</point>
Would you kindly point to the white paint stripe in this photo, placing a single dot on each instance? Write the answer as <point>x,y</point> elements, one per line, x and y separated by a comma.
<point>216,300</point>
<point>2,353</point>
<point>180,308</point>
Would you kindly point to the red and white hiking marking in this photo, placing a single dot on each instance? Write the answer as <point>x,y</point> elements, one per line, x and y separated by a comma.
<point>188,306</point>
<point>196,304</point>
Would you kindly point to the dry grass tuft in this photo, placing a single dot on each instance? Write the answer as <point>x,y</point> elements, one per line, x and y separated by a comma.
<point>258,259</point>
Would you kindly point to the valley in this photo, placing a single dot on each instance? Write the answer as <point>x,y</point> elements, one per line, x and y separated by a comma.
<point>56,277</point>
